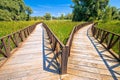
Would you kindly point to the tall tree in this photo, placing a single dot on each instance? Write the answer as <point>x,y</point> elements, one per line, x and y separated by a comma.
<point>62,16</point>
<point>29,11</point>
<point>88,9</point>
<point>115,13</point>
<point>47,16</point>
<point>107,14</point>
<point>15,9</point>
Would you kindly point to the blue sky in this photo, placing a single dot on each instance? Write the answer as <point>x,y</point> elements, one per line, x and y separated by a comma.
<point>56,7</point>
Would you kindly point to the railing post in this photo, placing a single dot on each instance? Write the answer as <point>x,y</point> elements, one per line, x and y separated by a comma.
<point>15,39</point>
<point>7,52</point>
<point>65,54</point>
<point>21,36</point>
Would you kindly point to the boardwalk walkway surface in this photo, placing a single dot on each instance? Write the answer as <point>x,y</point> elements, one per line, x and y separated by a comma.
<point>85,62</point>
<point>34,60</point>
<point>27,62</point>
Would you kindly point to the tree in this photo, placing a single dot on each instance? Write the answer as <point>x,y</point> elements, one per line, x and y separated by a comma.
<point>14,9</point>
<point>88,9</point>
<point>108,14</point>
<point>62,16</point>
<point>68,16</point>
<point>47,16</point>
<point>29,11</point>
<point>111,13</point>
<point>115,13</point>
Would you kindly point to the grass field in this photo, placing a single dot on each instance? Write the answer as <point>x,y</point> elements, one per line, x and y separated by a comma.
<point>62,29</point>
<point>10,27</point>
<point>112,26</point>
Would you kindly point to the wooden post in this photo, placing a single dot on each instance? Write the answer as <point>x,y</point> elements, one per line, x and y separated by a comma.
<point>64,60</point>
<point>15,39</point>
<point>24,32</point>
<point>28,31</point>
<point>21,36</point>
<point>5,47</point>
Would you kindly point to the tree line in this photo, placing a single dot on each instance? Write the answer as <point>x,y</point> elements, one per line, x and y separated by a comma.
<point>89,10</point>
<point>14,10</point>
<point>48,16</point>
<point>83,10</point>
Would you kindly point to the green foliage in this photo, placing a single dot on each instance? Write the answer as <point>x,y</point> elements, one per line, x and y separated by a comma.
<point>5,15</point>
<point>69,16</point>
<point>13,10</point>
<point>112,26</point>
<point>47,16</point>
<point>108,14</point>
<point>61,28</point>
<point>10,27</point>
<point>88,9</point>
<point>115,13</point>
<point>62,17</point>
<point>29,11</point>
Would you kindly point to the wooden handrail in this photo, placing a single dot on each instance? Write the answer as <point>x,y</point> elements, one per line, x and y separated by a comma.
<point>59,49</point>
<point>11,41</point>
<point>107,39</point>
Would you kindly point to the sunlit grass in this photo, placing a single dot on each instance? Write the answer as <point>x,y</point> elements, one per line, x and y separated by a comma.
<point>112,26</point>
<point>62,29</point>
<point>10,27</point>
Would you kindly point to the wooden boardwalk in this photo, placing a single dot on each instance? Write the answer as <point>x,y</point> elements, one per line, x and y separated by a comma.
<point>85,62</point>
<point>28,62</point>
<point>35,60</point>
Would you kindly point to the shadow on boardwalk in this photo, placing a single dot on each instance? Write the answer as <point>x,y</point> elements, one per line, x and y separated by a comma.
<point>112,64</point>
<point>50,63</point>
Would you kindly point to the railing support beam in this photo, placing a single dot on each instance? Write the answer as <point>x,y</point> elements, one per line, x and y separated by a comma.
<point>65,54</point>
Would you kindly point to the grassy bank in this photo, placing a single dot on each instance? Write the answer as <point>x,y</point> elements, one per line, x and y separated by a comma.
<point>62,29</point>
<point>10,27</point>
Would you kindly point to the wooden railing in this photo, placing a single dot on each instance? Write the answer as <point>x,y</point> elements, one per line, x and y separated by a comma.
<point>108,40</point>
<point>63,51</point>
<point>75,29</point>
<point>10,42</point>
<point>59,49</point>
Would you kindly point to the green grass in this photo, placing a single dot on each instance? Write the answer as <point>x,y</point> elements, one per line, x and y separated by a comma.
<point>10,27</point>
<point>112,26</point>
<point>62,29</point>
